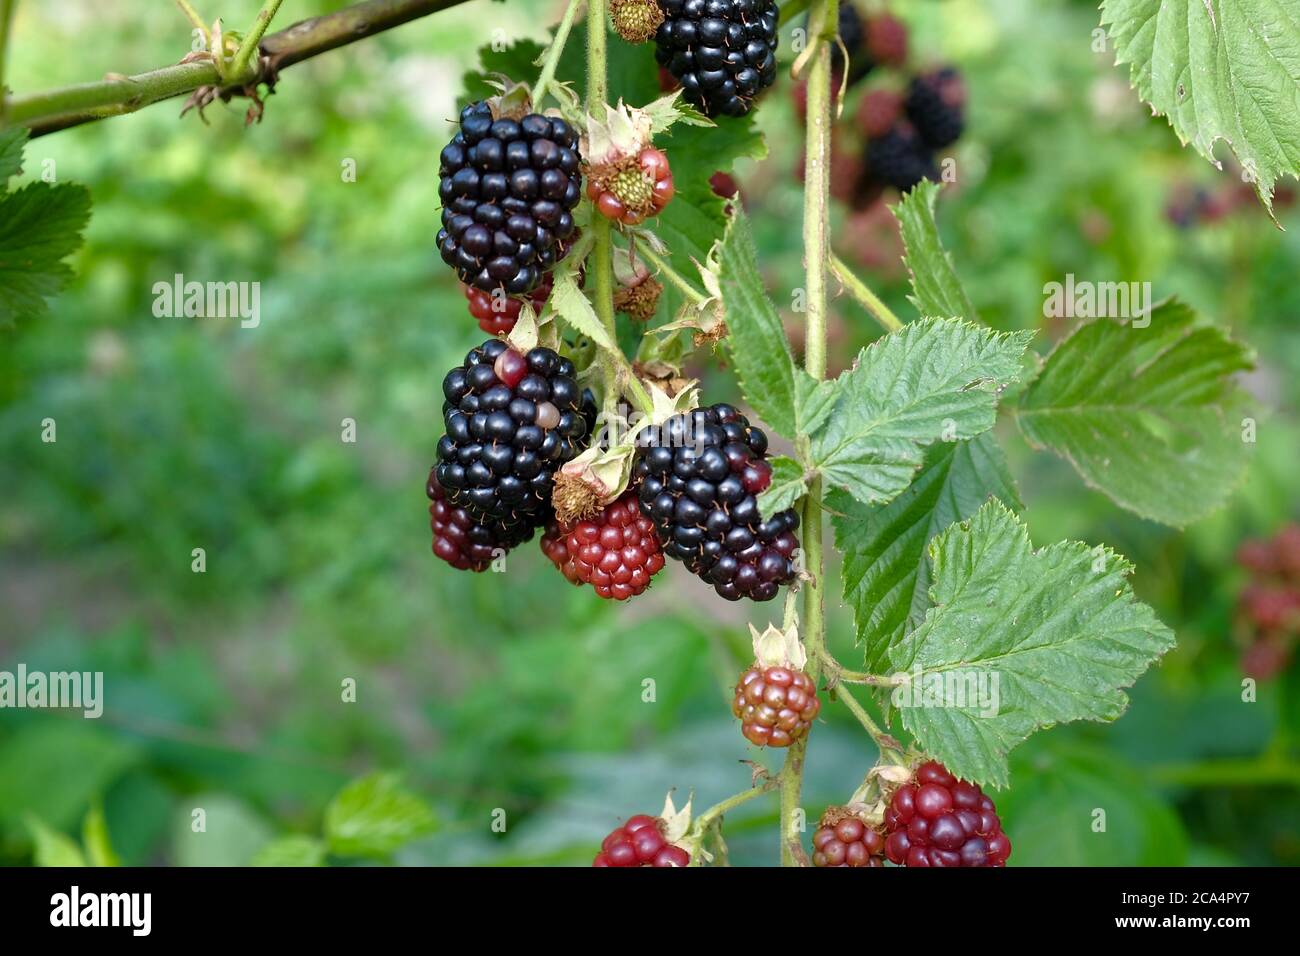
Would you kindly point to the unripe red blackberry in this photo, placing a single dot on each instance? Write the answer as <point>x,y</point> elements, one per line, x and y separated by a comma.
<point>843,839</point>
<point>640,842</point>
<point>497,312</point>
<point>938,820</point>
<point>462,542</point>
<point>508,188</point>
<point>775,705</point>
<point>935,105</point>
<point>878,111</point>
<point>723,52</point>
<point>511,420</point>
<point>886,39</point>
<point>635,192</point>
<point>698,477</point>
<point>616,552</point>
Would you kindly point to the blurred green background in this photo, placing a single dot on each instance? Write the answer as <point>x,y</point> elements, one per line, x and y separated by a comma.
<point>517,692</point>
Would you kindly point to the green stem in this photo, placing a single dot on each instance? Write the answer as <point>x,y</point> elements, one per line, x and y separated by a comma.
<point>883,740</point>
<point>239,69</point>
<point>6,18</point>
<point>49,111</point>
<point>676,278</point>
<point>702,821</point>
<point>816,252</point>
<point>867,298</point>
<point>553,52</point>
<point>602,253</point>
<point>193,16</point>
<point>843,676</point>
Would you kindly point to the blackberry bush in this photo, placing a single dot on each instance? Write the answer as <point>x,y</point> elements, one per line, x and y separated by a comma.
<point>511,420</point>
<point>722,52</point>
<point>508,190</point>
<point>698,478</point>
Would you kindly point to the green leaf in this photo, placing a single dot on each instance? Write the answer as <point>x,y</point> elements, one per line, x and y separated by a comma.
<point>40,225</point>
<point>574,307</point>
<point>1021,640</point>
<point>53,848</point>
<point>1218,69</point>
<point>57,768</point>
<point>787,486</point>
<point>936,290</point>
<point>373,816</point>
<point>232,831</point>
<point>12,142</point>
<point>1150,416</point>
<point>94,834</point>
<point>886,573</point>
<point>293,850</point>
<point>779,391</point>
<point>935,379</point>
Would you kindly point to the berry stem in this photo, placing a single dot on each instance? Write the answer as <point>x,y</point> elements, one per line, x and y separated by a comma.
<point>865,296</point>
<point>602,252</point>
<point>193,16</point>
<point>553,52</point>
<point>672,275</point>
<point>816,240</point>
<point>844,676</point>
<point>883,740</point>
<point>239,66</point>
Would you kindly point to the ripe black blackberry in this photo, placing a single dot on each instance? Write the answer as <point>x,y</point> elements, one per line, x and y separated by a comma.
<point>699,474</point>
<point>723,52</point>
<point>899,158</point>
<point>507,188</point>
<point>935,104</point>
<point>512,420</point>
<point>462,542</point>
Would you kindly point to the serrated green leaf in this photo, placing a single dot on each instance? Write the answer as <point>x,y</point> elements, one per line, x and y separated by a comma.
<point>787,486</point>
<point>12,142</point>
<point>936,289</point>
<point>1149,416</point>
<point>671,109</point>
<point>293,850</point>
<point>779,391</point>
<point>40,225</point>
<point>1021,639</point>
<point>1218,69</point>
<point>934,379</point>
<point>53,848</point>
<point>886,573</point>
<point>374,815</point>
<point>574,307</point>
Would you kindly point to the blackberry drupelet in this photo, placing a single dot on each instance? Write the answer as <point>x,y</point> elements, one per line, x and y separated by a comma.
<point>899,158</point>
<point>512,420</point>
<point>508,188</point>
<point>935,104</point>
<point>462,542</point>
<point>699,475</point>
<point>723,52</point>
<point>938,820</point>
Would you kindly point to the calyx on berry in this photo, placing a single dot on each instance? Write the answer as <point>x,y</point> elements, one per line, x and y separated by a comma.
<point>638,291</point>
<point>644,840</point>
<point>591,481</point>
<point>628,180</point>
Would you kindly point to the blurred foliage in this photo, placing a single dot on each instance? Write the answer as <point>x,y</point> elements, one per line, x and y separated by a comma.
<point>516,693</point>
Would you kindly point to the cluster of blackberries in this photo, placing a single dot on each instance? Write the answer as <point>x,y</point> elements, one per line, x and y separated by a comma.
<point>508,189</point>
<point>938,820</point>
<point>512,420</point>
<point>698,477</point>
<point>722,52</point>
<point>1268,608</point>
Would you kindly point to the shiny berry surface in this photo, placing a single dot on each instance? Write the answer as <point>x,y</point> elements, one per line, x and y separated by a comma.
<point>776,705</point>
<point>938,820</point>
<point>843,840</point>
<point>640,842</point>
<point>616,552</point>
